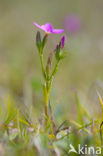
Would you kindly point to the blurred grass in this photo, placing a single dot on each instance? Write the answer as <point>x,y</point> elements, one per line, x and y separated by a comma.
<point>18,55</point>
<point>81,70</point>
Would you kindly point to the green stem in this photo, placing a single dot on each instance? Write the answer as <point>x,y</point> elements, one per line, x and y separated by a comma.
<point>46,105</point>
<point>48,80</point>
<point>54,71</point>
<point>47,95</point>
<point>48,87</point>
<point>42,65</point>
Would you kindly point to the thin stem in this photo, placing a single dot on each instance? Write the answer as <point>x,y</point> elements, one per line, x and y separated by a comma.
<point>45,90</point>
<point>54,71</point>
<point>46,105</point>
<point>42,65</point>
<point>48,80</point>
<point>47,95</point>
<point>48,87</point>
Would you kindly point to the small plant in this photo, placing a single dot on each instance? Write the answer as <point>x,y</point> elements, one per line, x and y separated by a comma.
<point>22,134</point>
<point>47,72</point>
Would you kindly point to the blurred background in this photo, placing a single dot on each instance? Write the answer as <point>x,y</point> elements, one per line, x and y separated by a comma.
<point>81,71</point>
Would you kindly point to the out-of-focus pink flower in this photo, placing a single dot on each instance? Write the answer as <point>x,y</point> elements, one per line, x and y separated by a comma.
<point>14,130</point>
<point>48,28</point>
<point>30,129</point>
<point>72,24</point>
<point>11,124</point>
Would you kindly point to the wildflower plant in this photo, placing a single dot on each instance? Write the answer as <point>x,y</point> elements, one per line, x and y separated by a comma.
<point>49,75</point>
<point>61,133</point>
<point>23,135</point>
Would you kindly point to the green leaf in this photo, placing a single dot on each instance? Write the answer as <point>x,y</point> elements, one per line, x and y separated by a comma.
<point>81,111</point>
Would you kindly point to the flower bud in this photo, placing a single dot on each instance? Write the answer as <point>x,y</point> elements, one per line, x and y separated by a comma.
<point>62,42</point>
<point>59,52</point>
<point>38,40</point>
<point>44,41</point>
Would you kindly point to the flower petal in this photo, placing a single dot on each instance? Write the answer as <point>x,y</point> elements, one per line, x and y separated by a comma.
<point>47,27</point>
<point>57,31</point>
<point>37,25</point>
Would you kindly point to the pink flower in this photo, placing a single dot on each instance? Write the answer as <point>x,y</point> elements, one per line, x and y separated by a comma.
<point>30,129</point>
<point>72,23</point>
<point>48,28</point>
